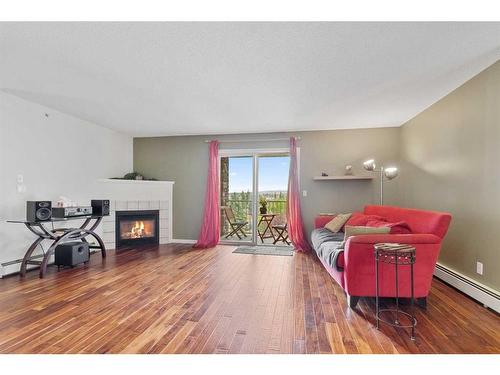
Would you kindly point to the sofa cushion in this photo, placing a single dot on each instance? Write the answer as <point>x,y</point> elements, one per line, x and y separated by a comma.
<point>326,245</point>
<point>358,219</point>
<point>337,223</point>
<point>420,221</point>
<point>400,227</point>
<point>321,235</point>
<point>360,230</point>
<point>331,253</point>
<point>322,219</point>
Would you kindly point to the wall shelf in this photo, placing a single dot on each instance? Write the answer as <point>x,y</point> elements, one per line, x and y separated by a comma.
<point>328,178</point>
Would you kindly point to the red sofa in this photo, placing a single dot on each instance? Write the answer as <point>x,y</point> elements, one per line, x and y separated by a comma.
<point>354,269</point>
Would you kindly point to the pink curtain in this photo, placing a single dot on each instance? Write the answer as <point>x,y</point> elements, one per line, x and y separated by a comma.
<point>210,228</point>
<point>293,213</point>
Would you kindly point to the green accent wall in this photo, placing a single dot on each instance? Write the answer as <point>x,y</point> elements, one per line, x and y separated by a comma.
<point>183,159</point>
<point>451,162</point>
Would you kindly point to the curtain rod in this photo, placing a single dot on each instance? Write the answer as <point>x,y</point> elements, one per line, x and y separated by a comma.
<point>251,140</point>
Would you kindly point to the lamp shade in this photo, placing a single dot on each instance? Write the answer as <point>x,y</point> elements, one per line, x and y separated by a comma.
<point>369,165</point>
<point>391,172</point>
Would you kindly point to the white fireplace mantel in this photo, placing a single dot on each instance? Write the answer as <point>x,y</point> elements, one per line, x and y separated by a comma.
<point>136,195</point>
<point>140,182</point>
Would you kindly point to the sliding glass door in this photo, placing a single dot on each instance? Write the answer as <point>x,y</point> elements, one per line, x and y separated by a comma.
<point>272,191</point>
<point>237,182</point>
<point>253,186</point>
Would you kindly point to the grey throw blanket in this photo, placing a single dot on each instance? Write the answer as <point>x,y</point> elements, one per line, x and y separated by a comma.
<point>326,244</point>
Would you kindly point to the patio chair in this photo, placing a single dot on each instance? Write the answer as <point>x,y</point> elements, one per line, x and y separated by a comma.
<point>236,226</point>
<point>281,233</point>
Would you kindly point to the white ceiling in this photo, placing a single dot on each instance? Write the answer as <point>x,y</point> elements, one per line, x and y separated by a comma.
<point>203,78</point>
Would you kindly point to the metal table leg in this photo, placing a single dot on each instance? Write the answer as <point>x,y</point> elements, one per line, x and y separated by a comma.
<point>28,254</point>
<point>412,302</point>
<point>398,255</point>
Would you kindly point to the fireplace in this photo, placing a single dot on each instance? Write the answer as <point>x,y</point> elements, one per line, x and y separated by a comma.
<point>135,228</point>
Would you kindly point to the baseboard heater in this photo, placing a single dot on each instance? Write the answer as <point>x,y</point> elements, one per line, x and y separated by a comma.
<point>16,261</point>
<point>488,297</point>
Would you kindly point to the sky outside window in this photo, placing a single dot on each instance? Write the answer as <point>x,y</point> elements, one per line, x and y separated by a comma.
<point>273,173</point>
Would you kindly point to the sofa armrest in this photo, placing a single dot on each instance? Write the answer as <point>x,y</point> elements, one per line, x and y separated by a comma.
<point>394,238</point>
<point>359,264</point>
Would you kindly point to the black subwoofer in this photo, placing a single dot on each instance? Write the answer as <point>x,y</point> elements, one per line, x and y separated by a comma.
<point>72,253</point>
<point>100,207</point>
<point>38,211</point>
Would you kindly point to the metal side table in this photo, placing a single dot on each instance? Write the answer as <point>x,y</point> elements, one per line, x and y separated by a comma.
<point>399,255</point>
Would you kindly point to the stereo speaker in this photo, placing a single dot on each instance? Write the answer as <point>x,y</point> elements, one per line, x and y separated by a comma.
<point>100,207</point>
<point>71,253</point>
<point>38,211</point>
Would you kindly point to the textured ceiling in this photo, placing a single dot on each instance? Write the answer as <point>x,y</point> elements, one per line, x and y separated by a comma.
<point>200,78</point>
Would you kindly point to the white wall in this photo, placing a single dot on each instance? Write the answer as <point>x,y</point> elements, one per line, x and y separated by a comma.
<point>57,155</point>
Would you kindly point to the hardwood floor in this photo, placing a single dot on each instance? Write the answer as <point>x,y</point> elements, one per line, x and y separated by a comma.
<point>173,299</point>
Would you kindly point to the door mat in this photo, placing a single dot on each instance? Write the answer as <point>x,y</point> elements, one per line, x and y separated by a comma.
<point>265,250</point>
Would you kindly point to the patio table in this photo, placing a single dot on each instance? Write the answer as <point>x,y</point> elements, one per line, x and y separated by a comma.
<point>267,220</point>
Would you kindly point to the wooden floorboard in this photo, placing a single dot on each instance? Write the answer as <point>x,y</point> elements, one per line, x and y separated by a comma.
<point>174,299</point>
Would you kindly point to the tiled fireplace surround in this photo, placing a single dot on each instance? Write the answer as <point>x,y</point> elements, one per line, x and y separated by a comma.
<point>108,226</point>
<point>125,195</point>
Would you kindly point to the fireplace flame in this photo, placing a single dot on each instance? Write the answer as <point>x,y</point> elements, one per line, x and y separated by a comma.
<point>137,230</point>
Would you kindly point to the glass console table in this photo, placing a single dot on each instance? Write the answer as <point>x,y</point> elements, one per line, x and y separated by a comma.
<point>45,230</point>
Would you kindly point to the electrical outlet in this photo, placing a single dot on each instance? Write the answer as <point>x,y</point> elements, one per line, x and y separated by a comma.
<point>304,193</point>
<point>479,268</point>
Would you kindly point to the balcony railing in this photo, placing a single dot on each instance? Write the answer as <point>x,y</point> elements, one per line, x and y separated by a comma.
<point>242,210</point>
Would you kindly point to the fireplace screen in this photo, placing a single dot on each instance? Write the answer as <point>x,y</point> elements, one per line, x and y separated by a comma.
<point>137,227</point>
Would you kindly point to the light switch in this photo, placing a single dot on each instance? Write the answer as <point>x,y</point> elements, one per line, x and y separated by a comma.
<point>304,193</point>
<point>21,187</point>
<point>479,268</point>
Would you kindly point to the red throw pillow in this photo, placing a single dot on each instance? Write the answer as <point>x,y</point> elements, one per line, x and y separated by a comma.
<point>359,219</point>
<point>321,220</point>
<point>400,227</point>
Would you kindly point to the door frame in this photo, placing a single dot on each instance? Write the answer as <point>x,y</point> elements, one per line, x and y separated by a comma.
<point>255,153</point>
